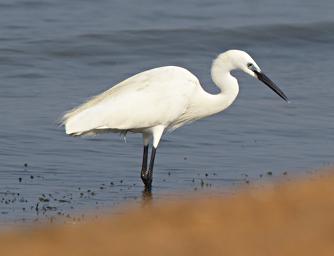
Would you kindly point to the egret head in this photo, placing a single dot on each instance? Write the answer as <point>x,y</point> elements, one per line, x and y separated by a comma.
<point>236,59</point>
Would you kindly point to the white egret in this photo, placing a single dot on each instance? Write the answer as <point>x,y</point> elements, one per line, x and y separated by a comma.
<point>162,99</point>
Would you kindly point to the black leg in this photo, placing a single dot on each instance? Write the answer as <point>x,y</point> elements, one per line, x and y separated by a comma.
<point>152,159</point>
<point>144,164</point>
<point>145,154</point>
<point>146,174</point>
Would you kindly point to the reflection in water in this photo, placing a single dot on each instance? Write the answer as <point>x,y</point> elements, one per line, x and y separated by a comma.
<point>147,197</point>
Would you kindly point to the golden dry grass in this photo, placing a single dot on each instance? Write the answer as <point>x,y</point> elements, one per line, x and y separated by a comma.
<point>295,218</point>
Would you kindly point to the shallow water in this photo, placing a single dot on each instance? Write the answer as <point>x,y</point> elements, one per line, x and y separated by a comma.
<point>56,54</point>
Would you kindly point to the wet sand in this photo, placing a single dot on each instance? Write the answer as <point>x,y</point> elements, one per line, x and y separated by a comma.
<point>288,218</point>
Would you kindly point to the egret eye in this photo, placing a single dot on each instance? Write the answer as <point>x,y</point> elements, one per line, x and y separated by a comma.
<point>251,67</point>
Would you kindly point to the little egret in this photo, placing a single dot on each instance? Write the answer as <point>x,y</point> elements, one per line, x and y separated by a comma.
<point>162,99</point>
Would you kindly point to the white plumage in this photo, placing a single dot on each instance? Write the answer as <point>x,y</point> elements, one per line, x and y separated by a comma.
<point>162,99</point>
<point>154,97</point>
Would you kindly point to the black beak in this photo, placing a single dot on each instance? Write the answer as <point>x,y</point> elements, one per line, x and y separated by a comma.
<point>262,77</point>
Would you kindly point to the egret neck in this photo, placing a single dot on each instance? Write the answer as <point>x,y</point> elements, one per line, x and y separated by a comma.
<point>228,85</point>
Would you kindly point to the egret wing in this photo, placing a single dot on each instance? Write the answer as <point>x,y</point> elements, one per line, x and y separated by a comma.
<point>154,97</point>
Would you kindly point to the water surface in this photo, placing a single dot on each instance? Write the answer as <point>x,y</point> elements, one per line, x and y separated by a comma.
<point>56,54</point>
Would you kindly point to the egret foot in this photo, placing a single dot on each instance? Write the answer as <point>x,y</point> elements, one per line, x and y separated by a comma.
<point>146,176</point>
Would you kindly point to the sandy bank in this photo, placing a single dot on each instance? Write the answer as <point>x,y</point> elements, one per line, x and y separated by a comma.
<point>295,218</point>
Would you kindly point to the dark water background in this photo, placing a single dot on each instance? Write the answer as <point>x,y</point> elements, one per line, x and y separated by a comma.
<point>56,54</point>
